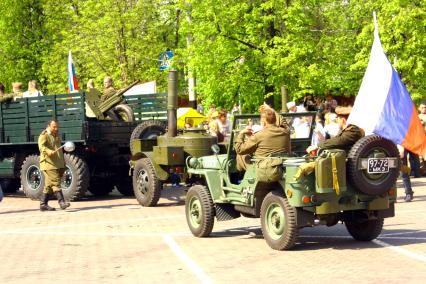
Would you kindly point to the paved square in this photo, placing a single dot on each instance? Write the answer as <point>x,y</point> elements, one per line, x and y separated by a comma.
<point>115,240</point>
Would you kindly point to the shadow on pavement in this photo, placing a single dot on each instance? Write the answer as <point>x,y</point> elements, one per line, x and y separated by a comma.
<point>322,237</point>
<point>97,207</point>
<point>19,211</point>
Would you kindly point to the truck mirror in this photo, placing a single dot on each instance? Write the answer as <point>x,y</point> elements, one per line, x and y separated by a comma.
<point>215,148</point>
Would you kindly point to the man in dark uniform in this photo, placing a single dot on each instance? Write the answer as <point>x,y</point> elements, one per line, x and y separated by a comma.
<point>272,139</point>
<point>52,164</point>
<point>346,138</point>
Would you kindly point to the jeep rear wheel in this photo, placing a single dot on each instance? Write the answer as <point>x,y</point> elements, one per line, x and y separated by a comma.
<point>366,230</point>
<point>146,185</point>
<point>278,221</point>
<point>199,210</point>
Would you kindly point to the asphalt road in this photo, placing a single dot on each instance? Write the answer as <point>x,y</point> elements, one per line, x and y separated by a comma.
<point>114,240</point>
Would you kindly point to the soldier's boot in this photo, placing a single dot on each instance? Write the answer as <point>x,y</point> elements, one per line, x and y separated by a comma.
<point>44,199</point>
<point>61,200</point>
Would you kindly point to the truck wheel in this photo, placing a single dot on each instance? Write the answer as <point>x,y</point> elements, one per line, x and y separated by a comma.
<point>146,185</point>
<point>101,186</point>
<point>199,210</point>
<point>75,180</point>
<point>147,130</point>
<point>366,230</point>
<point>124,113</point>
<point>124,185</point>
<point>371,146</point>
<point>10,185</point>
<point>278,221</point>
<point>32,179</point>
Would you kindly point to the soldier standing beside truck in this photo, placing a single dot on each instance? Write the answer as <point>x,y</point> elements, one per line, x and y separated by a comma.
<point>52,164</point>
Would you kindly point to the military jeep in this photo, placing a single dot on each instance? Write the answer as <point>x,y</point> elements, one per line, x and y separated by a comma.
<point>357,188</point>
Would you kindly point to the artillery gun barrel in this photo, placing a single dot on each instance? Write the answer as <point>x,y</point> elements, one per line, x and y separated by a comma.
<point>116,98</point>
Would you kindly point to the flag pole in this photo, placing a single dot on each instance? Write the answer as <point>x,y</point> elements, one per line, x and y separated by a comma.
<point>376,25</point>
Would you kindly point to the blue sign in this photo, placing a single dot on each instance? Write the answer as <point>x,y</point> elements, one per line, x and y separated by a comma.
<point>165,59</point>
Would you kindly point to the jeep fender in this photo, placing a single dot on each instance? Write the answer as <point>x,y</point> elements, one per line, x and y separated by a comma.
<point>213,181</point>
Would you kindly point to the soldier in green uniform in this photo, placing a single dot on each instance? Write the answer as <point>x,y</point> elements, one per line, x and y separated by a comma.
<point>272,139</point>
<point>52,164</point>
<point>109,90</point>
<point>346,138</point>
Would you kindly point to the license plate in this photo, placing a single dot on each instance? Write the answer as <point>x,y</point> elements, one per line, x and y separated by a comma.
<point>378,166</point>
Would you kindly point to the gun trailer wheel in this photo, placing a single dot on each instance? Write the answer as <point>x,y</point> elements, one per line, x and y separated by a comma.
<point>146,185</point>
<point>199,210</point>
<point>278,221</point>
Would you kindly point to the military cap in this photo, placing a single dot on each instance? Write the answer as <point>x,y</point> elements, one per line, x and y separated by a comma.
<point>344,111</point>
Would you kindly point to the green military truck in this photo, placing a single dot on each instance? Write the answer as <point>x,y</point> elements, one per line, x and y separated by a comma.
<point>100,160</point>
<point>296,191</point>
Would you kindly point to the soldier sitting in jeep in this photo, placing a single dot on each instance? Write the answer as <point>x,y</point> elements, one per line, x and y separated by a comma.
<point>346,138</point>
<point>268,141</point>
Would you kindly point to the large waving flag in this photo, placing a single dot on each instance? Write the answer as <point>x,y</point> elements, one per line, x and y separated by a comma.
<point>383,105</point>
<point>72,79</point>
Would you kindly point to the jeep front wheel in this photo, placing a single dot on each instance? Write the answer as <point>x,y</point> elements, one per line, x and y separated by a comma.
<point>366,230</point>
<point>278,221</point>
<point>146,185</point>
<point>199,210</point>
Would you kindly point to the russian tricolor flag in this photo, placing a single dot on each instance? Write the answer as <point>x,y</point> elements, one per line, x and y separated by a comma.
<point>72,79</point>
<point>383,105</point>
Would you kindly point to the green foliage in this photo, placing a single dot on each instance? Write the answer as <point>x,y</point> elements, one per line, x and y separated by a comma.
<point>238,50</point>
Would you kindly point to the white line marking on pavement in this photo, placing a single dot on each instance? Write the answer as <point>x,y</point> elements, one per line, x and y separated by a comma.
<point>186,259</point>
<point>92,234</point>
<point>109,222</point>
<point>409,211</point>
<point>403,233</point>
<point>12,215</point>
<point>405,252</point>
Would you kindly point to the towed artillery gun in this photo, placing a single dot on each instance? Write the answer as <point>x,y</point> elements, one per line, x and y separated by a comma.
<point>112,107</point>
<point>357,188</point>
<point>156,155</point>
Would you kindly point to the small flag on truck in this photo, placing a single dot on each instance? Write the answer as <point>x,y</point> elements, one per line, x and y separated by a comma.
<point>72,78</point>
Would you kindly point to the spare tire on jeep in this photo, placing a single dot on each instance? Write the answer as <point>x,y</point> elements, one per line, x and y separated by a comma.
<point>372,146</point>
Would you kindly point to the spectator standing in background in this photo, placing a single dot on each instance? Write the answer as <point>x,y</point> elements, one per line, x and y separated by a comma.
<point>330,104</point>
<point>224,123</point>
<point>17,90</point>
<point>32,90</point>
<point>405,173</point>
<point>319,131</point>
<point>332,127</point>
